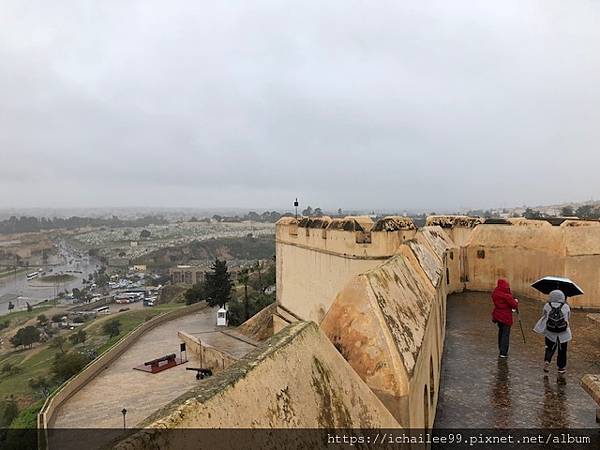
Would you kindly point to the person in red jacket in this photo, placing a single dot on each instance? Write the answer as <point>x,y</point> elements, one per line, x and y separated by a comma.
<point>504,304</point>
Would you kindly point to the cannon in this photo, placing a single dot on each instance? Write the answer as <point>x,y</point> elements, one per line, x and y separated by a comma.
<point>200,372</point>
<point>156,362</point>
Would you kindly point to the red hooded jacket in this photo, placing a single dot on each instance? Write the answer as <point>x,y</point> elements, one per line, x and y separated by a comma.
<point>504,303</point>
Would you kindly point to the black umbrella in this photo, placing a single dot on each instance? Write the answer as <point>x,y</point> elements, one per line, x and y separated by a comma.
<point>548,284</point>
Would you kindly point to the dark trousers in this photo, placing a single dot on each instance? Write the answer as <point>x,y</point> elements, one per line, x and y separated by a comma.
<point>503,338</point>
<point>551,347</point>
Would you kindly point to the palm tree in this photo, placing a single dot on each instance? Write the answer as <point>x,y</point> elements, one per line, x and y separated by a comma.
<point>243,279</point>
<point>257,268</point>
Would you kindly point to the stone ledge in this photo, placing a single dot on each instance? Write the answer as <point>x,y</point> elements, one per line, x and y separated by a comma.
<point>595,317</point>
<point>591,384</point>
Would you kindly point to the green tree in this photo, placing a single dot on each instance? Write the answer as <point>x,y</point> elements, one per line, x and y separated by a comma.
<point>587,212</point>
<point>308,211</point>
<point>65,365</point>
<point>145,234</point>
<point>195,294</point>
<point>41,384</point>
<point>243,278</point>
<point>58,343</point>
<point>8,411</point>
<point>78,338</point>
<point>218,284</point>
<point>532,214</point>
<point>57,317</point>
<point>42,320</point>
<point>257,268</point>
<point>26,336</point>
<point>256,301</point>
<point>112,328</point>
<point>567,211</point>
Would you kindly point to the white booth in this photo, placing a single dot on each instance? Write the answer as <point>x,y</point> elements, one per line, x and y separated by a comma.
<point>222,317</point>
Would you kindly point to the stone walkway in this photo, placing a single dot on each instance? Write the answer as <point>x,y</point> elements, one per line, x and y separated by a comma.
<point>99,403</point>
<point>479,390</point>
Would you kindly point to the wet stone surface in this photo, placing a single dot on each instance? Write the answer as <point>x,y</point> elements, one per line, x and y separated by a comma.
<point>479,390</point>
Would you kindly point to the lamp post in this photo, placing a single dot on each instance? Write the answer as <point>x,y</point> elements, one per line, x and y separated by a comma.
<point>296,206</point>
<point>124,411</point>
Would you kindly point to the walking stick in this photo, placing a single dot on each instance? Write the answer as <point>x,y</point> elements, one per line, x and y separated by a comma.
<point>521,326</point>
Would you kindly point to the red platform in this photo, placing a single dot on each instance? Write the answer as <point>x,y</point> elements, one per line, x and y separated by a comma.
<point>162,365</point>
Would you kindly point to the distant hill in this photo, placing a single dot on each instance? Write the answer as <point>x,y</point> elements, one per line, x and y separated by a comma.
<point>243,248</point>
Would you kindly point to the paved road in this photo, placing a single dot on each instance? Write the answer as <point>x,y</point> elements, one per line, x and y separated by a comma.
<point>19,290</point>
<point>480,390</point>
<point>100,402</point>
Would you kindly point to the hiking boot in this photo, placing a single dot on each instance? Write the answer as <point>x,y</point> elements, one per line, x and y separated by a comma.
<point>563,370</point>
<point>546,366</point>
<point>503,356</point>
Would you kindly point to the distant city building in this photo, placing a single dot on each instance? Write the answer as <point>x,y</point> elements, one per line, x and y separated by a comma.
<point>185,274</point>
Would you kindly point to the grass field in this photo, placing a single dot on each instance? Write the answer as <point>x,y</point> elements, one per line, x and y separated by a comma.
<point>60,278</point>
<point>9,273</point>
<point>20,317</point>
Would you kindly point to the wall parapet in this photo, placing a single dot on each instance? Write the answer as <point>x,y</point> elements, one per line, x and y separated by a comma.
<point>352,236</point>
<point>296,379</point>
<point>209,356</point>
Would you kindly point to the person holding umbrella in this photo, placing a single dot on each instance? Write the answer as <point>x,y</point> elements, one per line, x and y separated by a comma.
<point>504,304</point>
<point>554,323</point>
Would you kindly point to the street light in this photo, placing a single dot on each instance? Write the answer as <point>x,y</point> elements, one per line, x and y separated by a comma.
<point>124,411</point>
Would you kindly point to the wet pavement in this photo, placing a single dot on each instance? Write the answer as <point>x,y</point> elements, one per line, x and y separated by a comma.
<point>479,390</point>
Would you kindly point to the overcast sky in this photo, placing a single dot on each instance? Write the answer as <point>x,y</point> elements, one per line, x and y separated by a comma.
<point>352,104</point>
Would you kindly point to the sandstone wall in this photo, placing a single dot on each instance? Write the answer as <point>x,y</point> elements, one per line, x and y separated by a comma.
<point>297,379</point>
<point>208,356</point>
<point>260,326</point>
<point>389,323</point>
<point>525,250</point>
<point>313,264</point>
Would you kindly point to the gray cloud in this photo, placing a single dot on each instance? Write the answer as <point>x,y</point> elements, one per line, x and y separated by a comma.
<point>433,105</point>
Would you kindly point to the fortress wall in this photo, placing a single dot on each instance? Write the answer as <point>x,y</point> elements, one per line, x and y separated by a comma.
<point>530,249</point>
<point>582,262</point>
<point>296,379</point>
<point>308,280</point>
<point>388,324</point>
<point>448,253</point>
<point>459,228</point>
<point>313,264</point>
<point>521,253</point>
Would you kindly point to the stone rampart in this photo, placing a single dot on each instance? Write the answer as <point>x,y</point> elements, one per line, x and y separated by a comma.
<point>208,356</point>
<point>315,258</point>
<point>388,323</point>
<point>71,386</point>
<point>296,379</point>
